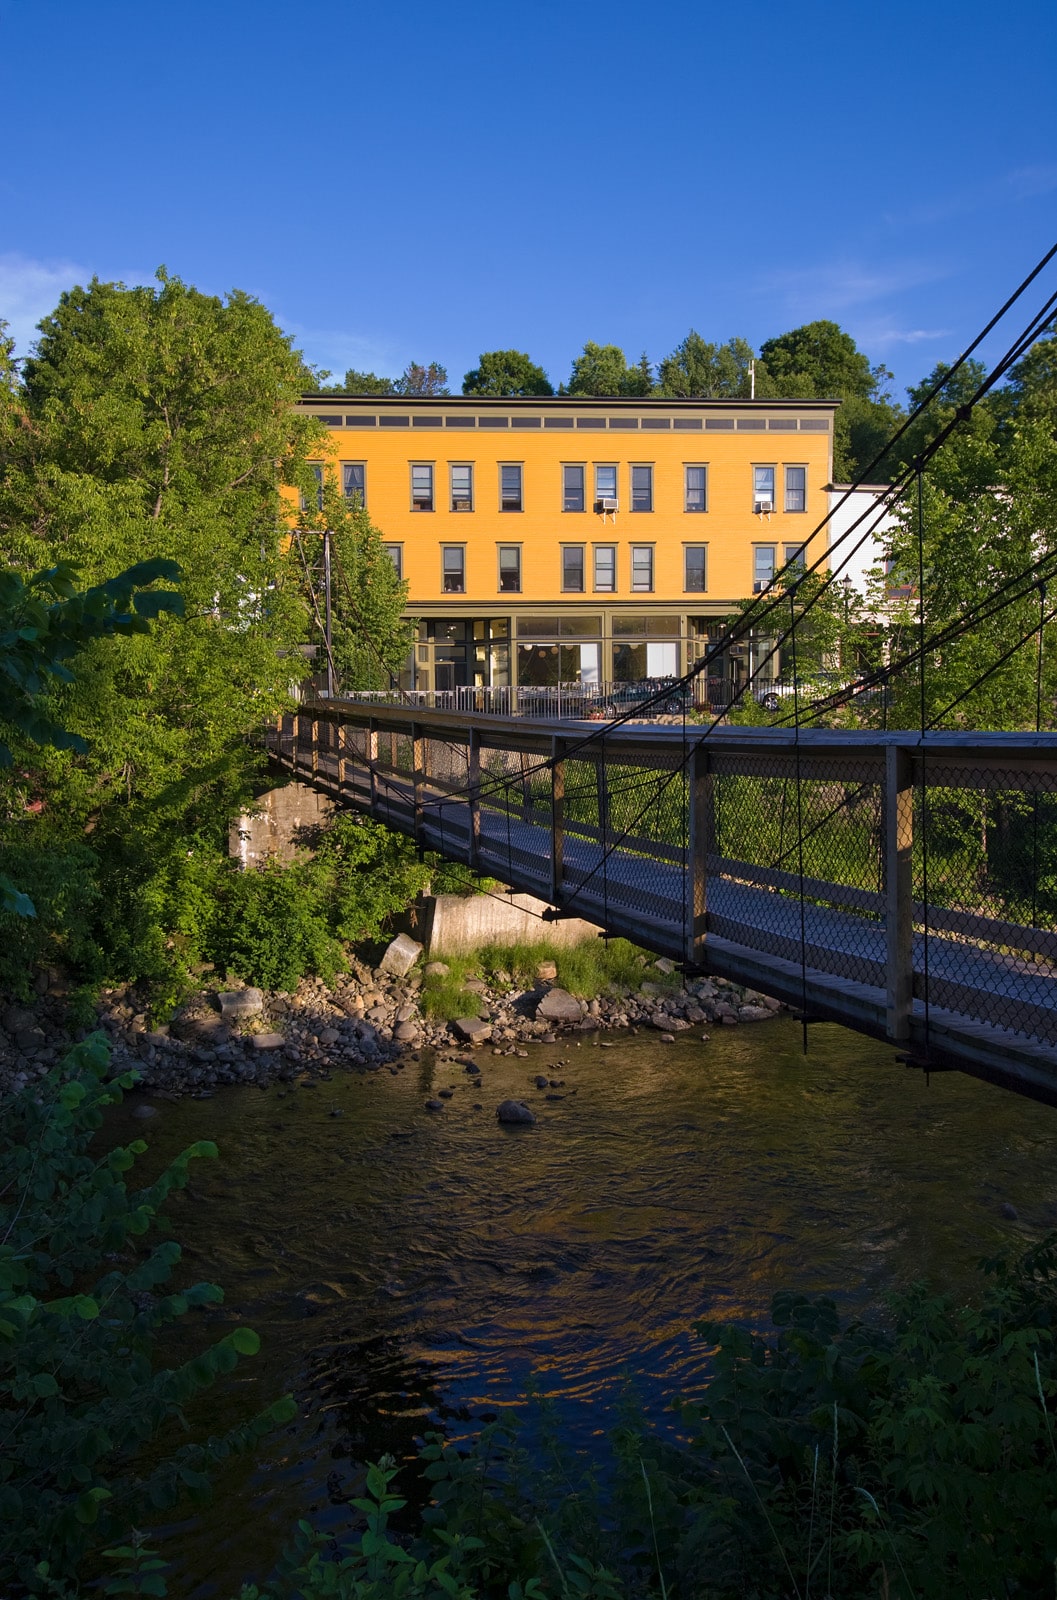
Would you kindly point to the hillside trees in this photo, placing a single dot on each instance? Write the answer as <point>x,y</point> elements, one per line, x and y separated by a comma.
<point>697,368</point>
<point>602,370</point>
<point>820,361</point>
<point>506,372</point>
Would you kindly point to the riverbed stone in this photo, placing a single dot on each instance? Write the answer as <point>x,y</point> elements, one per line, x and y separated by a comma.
<point>558,1005</point>
<point>328,1036</point>
<point>515,1112</point>
<point>547,971</point>
<point>755,1013</point>
<point>401,955</point>
<point>405,1032</point>
<point>268,1041</point>
<point>665,965</point>
<point>668,1024</point>
<point>237,1003</point>
<point>473,1029</point>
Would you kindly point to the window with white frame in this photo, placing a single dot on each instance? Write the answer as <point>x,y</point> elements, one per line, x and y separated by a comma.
<point>422,486</point>
<point>606,488</point>
<point>453,568</point>
<point>572,487</point>
<point>510,487</point>
<point>695,568</point>
<point>510,568</point>
<point>572,568</point>
<point>696,489</point>
<point>763,489</point>
<point>642,488</point>
<point>605,568</point>
<point>462,487</point>
<point>641,568</point>
<point>354,481</point>
<point>796,488</point>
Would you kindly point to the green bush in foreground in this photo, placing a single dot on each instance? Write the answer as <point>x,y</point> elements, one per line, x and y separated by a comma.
<point>83,1299</point>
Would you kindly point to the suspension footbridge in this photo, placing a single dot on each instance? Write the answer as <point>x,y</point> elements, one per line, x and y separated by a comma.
<point>892,882</point>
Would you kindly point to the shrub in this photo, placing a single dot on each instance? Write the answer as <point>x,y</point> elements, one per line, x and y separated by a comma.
<point>83,1299</point>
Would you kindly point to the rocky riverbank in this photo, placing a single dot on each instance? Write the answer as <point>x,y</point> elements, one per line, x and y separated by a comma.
<point>368,1019</point>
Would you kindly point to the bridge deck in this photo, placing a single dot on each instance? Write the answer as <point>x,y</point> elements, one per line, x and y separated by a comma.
<point>980,989</point>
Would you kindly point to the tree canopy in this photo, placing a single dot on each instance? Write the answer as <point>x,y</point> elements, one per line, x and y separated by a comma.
<point>602,370</point>
<point>697,368</point>
<point>506,372</point>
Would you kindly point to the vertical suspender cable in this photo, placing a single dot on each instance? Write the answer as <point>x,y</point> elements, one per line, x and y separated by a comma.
<point>923,722</point>
<point>1035,797</point>
<point>799,817</point>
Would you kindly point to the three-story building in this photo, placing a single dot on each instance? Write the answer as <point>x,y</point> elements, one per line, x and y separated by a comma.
<point>549,540</point>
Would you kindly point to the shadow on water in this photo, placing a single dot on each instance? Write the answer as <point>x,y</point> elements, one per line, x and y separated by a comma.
<point>403,1265</point>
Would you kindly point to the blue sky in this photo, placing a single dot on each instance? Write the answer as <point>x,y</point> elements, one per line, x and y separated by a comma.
<point>426,180</point>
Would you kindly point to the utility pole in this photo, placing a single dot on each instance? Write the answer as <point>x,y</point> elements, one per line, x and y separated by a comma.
<point>752,380</point>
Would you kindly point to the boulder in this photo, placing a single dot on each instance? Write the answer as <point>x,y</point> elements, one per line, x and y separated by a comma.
<point>473,1029</point>
<point>558,1005</point>
<point>405,1032</point>
<point>755,1013</point>
<point>268,1041</point>
<point>514,1112</point>
<point>378,1015</point>
<point>237,1003</point>
<point>401,955</point>
<point>29,1039</point>
<point>666,1024</point>
<point>18,1017</point>
<point>407,1013</point>
<point>547,971</point>
<point>328,1036</point>
<point>665,966</point>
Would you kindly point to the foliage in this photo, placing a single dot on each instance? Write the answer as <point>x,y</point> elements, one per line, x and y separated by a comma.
<point>370,637</point>
<point>154,425</point>
<point>592,969</point>
<point>506,372</point>
<point>83,1301</point>
<point>712,371</point>
<point>603,370</point>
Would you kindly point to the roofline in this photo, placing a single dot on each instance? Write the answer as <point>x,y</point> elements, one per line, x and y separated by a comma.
<point>534,402</point>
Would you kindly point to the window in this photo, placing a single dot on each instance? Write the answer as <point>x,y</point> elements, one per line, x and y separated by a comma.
<point>795,554</point>
<point>462,488</point>
<point>316,469</point>
<point>453,568</point>
<point>510,568</point>
<point>642,488</point>
<point>605,568</point>
<point>605,488</point>
<point>762,566</point>
<point>510,488</point>
<point>572,488</point>
<point>395,553</point>
<point>695,568</point>
<point>573,568</point>
<point>422,487</point>
<point>641,568</point>
<point>353,481</point>
<point>796,488</point>
<point>763,489</point>
<point>696,489</point>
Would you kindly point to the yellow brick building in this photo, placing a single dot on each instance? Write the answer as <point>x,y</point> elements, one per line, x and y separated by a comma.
<point>550,540</point>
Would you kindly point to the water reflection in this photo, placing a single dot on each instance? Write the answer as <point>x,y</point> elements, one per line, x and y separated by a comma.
<point>398,1262</point>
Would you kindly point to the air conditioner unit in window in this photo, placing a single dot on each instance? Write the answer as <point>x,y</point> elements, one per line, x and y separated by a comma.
<point>609,502</point>
<point>763,506</point>
<point>760,585</point>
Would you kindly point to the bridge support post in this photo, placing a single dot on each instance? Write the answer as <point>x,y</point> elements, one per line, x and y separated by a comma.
<point>473,783</point>
<point>557,818</point>
<point>418,764</point>
<point>899,886</point>
<point>314,751</point>
<point>700,844</point>
<point>371,740</point>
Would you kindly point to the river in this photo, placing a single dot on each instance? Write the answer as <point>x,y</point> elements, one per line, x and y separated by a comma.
<point>401,1263</point>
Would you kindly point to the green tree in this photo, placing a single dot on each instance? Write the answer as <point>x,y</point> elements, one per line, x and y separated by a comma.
<point>366,383</point>
<point>418,380</point>
<point>370,637</point>
<point>602,370</point>
<point>158,424</point>
<point>506,372</point>
<point>698,369</point>
<point>820,361</point>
